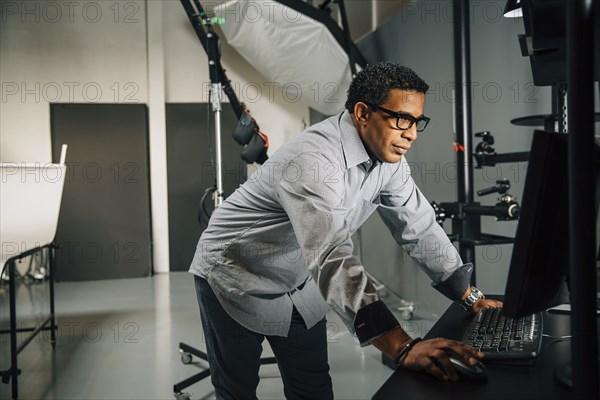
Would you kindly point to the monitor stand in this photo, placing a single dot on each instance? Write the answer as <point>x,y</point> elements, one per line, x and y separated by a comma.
<point>564,375</point>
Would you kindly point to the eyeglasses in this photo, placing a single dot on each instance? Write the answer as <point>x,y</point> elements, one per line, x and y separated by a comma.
<point>404,121</point>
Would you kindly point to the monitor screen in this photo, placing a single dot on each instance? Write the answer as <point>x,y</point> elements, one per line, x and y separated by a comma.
<point>540,258</point>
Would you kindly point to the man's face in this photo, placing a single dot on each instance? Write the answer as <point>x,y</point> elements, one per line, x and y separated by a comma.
<point>378,130</point>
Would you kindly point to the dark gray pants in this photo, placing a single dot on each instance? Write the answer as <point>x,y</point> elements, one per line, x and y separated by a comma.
<point>234,353</point>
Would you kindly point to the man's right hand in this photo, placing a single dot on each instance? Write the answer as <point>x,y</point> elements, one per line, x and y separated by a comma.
<point>433,357</point>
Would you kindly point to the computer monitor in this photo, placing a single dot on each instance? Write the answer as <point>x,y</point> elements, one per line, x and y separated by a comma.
<point>540,255</point>
<point>540,258</point>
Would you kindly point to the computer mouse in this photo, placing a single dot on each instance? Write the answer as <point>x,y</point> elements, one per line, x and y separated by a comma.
<point>470,372</point>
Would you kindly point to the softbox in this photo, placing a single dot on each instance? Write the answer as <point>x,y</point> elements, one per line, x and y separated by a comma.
<point>290,49</point>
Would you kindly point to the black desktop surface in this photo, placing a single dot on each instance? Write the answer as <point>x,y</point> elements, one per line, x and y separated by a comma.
<point>503,382</point>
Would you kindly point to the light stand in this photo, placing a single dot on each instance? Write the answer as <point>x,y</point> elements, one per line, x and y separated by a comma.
<point>214,59</point>
<point>255,150</point>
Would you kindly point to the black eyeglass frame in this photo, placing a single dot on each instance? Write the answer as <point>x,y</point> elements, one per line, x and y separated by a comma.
<point>405,116</point>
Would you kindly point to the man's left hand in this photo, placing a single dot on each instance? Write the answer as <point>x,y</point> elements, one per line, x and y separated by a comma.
<point>485,303</point>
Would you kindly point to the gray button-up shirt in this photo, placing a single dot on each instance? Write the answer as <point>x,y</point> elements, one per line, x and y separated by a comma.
<point>283,239</point>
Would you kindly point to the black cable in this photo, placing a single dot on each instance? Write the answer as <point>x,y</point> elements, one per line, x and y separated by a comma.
<point>203,214</point>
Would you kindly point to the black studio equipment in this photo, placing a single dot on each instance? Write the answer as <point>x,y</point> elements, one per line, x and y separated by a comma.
<point>555,244</point>
<point>466,213</point>
<point>255,142</point>
<point>562,42</point>
<point>541,354</point>
<point>203,26</point>
<point>545,43</point>
<point>247,133</point>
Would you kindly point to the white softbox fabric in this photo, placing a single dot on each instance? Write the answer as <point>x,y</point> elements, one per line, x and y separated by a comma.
<point>290,49</point>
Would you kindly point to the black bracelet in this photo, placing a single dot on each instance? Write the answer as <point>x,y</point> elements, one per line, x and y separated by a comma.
<point>407,348</point>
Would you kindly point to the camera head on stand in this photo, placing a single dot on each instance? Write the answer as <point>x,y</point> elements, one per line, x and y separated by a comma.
<point>502,187</point>
<point>485,146</point>
<point>507,208</point>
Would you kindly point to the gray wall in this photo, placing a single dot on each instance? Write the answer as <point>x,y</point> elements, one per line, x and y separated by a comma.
<point>421,37</point>
<point>191,172</point>
<point>104,230</point>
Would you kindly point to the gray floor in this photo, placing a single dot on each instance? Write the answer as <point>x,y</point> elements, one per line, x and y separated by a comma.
<point>118,339</point>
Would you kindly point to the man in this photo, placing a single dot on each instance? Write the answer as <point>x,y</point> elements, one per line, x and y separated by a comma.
<point>278,252</point>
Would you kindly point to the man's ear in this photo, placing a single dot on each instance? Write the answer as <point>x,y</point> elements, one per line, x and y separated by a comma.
<point>361,112</point>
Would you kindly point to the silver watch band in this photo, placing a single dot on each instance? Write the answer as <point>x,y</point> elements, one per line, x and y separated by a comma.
<point>475,295</point>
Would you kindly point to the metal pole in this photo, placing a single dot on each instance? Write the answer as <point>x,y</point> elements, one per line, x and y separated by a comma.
<point>462,118</point>
<point>582,237</point>
<point>214,61</point>
<point>14,368</point>
<point>462,74</point>
<point>52,265</point>
<point>216,105</point>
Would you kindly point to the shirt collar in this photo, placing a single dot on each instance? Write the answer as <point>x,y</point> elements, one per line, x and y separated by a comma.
<point>354,150</point>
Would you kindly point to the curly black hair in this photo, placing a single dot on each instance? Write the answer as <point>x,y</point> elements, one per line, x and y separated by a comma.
<point>372,85</point>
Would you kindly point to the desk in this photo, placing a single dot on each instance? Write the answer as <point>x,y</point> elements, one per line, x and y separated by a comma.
<point>504,382</point>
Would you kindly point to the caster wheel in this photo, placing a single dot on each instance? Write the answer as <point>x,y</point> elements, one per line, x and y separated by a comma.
<point>186,358</point>
<point>407,315</point>
<point>182,396</point>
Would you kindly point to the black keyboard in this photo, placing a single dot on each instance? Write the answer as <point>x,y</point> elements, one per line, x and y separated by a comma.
<point>503,339</point>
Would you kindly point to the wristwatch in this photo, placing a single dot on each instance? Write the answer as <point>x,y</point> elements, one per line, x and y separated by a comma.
<point>475,295</point>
